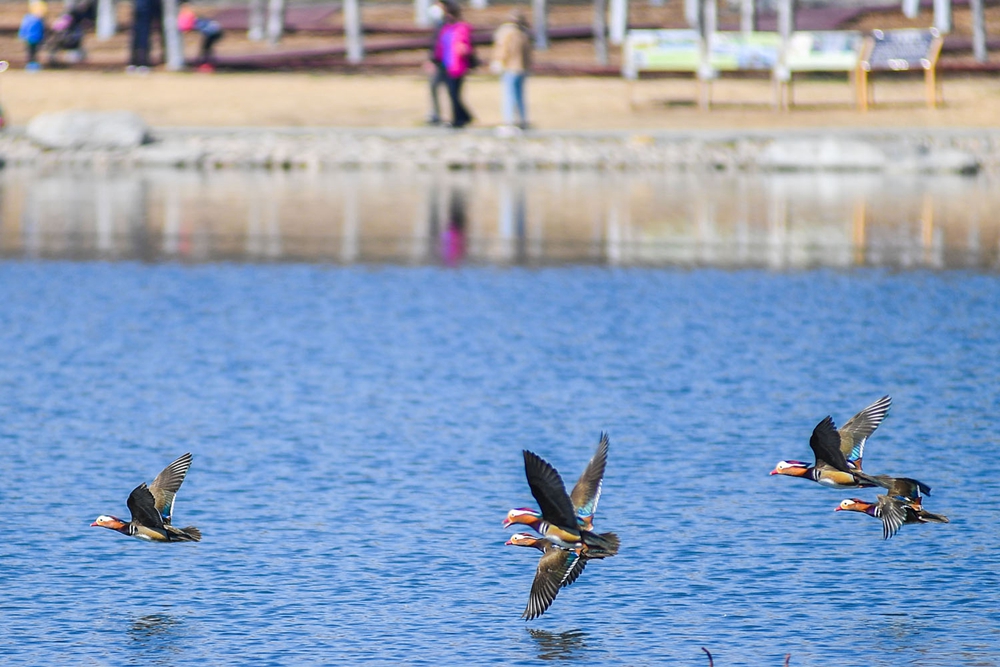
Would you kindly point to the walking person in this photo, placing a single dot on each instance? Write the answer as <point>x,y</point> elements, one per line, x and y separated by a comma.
<point>32,33</point>
<point>454,49</point>
<point>434,66</point>
<point>512,60</point>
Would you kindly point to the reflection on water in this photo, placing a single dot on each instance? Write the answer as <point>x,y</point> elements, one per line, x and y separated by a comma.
<point>776,221</point>
<point>155,637</point>
<point>568,645</point>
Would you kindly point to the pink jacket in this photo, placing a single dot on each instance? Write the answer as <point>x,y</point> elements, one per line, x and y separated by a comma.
<point>453,48</point>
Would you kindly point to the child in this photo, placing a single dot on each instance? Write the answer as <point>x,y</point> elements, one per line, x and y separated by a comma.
<point>32,32</point>
<point>211,32</point>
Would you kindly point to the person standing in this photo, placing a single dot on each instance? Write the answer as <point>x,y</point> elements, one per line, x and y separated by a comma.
<point>32,32</point>
<point>454,49</point>
<point>512,60</point>
<point>434,66</point>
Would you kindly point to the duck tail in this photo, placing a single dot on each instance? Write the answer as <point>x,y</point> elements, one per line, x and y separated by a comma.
<point>601,545</point>
<point>188,534</point>
<point>930,517</point>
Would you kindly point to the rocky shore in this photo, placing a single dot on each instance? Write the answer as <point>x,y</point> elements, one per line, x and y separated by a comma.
<point>82,142</point>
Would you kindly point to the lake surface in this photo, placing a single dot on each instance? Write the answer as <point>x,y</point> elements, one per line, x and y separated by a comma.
<point>655,219</point>
<point>357,434</point>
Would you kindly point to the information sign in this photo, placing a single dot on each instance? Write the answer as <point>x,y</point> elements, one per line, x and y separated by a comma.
<point>823,51</point>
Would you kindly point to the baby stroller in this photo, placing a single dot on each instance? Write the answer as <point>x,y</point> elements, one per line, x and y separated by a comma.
<point>67,32</point>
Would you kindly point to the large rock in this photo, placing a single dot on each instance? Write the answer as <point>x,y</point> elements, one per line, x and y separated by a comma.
<point>826,153</point>
<point>88,129</point>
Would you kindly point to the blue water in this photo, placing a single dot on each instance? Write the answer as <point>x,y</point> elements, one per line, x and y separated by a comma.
<point>357,433</point>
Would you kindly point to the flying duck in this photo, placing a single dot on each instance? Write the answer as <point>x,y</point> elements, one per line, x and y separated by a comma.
<point>559,522</point>
<point>900,506</point>
<point>849,441</point>
<point>587,491</point>
<point>832,447</point>
<point>557,568</point>
<point>152,506</point>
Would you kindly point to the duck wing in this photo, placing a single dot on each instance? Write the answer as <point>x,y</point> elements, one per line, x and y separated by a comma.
<point>893,515</point>
<point>855,433</point>
<point>554,567</point>
<point>547,487</point>
<point>905,487</point>
<point>164,488</point>
<point>587,492</point>
<point>140,502</point>
<point>825,443</point>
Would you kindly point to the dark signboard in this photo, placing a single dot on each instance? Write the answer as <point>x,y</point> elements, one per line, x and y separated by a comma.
<point>901,49</point>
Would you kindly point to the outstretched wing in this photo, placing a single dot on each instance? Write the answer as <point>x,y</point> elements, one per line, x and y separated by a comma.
<point>825,443</point>
<point>140,502</point>
<point>893,515</point>
<point>907,487</point>
<point>587,492</point>
<point>550,494</point>
<point>553,569</point>
<point>855,433</point>
<point>164,488</point>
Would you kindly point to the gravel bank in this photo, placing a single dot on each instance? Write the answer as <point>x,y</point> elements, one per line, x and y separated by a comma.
<point>915,150</point>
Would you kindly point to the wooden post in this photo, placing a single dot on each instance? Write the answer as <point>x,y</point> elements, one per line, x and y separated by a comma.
<point>255,21</point>
<point>619,21</point>
<point>601,31</point>
<point>173,45</point>
<point>930,72</point>
<point>352,31</point>
<point>421,13</point>
<point>942,15</point>
<point>275,20</point>
<point>709,22</point>
<point>747,16</point>
<point>786,19</point>
<point>107,20</point>
<point>861,74</point>
<point>540,17</point>
<point>692,13</point>
<point>978,31</point>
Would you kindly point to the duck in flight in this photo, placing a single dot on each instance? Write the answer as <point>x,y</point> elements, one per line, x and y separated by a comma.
<point>846,445</point>
<point>900,506</point>
<point>558,520</point>
<point>586,493</point>
<point>152,508</point>
<point>557,568</point>
<point>838,452</point>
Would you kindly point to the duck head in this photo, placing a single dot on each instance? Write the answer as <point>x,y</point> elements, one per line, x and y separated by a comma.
<point>525,540</point>
<point>522,515</point>
<point>854,505</point>
<point>791,468</point>
<point>112,522</point>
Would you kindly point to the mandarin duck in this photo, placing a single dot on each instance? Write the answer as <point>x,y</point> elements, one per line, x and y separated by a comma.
<point>832,468</point>
<point>586,493</point>
<point>902,505</point>
<point>557,568</point>
<point>839,451</point>
<point>558,521</point>
<point>152,507</point>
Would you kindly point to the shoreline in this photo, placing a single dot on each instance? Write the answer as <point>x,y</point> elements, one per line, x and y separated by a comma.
<point>904,150</point>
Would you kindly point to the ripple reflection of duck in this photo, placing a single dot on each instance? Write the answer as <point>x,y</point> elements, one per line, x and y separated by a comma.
<point>153,635</point>
<point>559,645</point>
